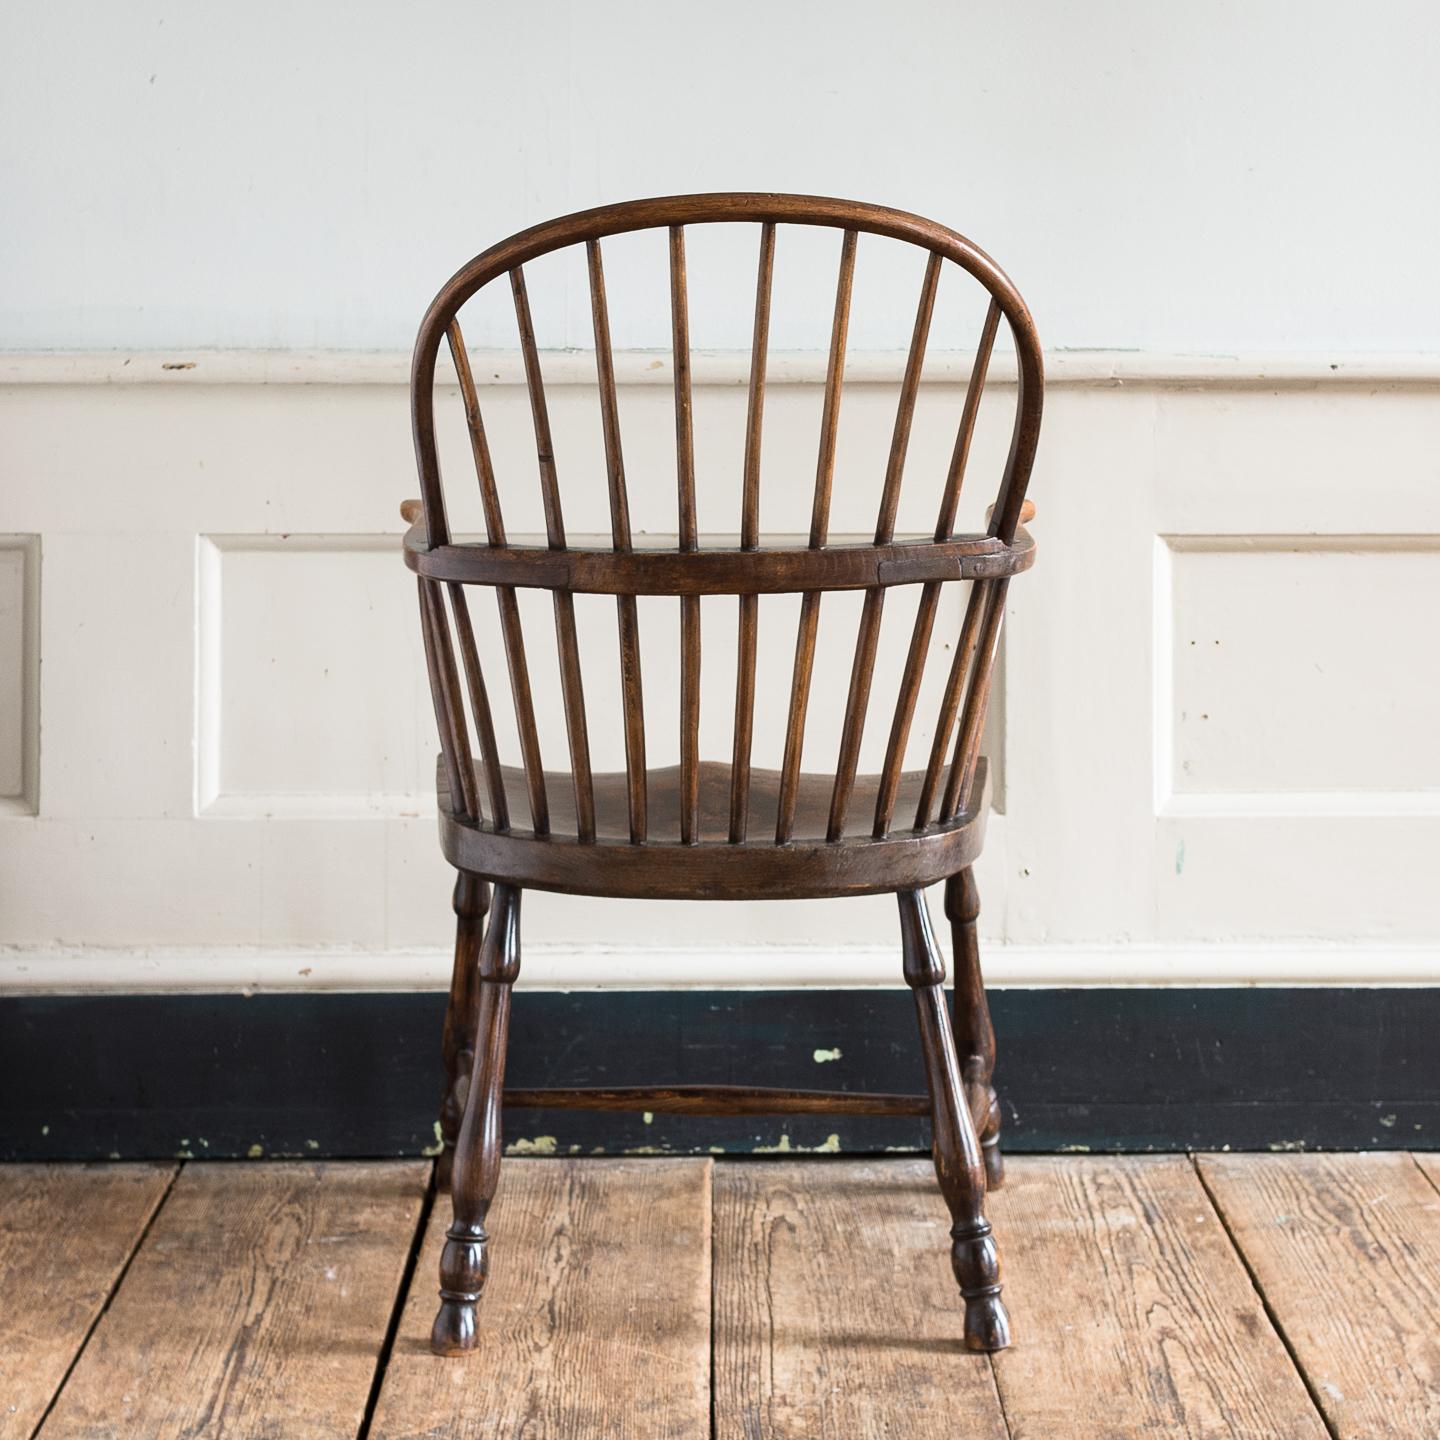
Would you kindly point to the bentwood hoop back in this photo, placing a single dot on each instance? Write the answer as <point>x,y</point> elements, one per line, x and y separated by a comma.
<point>718,829</point>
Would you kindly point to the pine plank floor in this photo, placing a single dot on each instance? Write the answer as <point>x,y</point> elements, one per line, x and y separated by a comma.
<point>1288,1296</point>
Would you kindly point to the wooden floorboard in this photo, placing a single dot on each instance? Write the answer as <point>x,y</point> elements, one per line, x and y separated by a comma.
<point>1288,1297</point>
<point>1347,1251</point>
<point>836,1313</point>
<point>66,1233</point>
<point>256,1306</point>
<point>1133,1314</point>
<point>596,1317</point>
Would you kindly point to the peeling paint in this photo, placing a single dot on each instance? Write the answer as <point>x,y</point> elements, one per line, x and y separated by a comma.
<point>1388,1121</point>
<point>1288,1146</point>
<point>1074,1149</point>
<point>648,1117</point>
<point>431,1151</point>
<point>44,1129</point>
<point>540,1145</point>
<point>255,1152</point>
<point>821,1056</point>
<point>831,1146</point>
<point>312,1144</point>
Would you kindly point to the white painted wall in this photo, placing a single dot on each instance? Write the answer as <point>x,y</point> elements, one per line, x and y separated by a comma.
<point>1213,176</point>
<point>1219,726</point>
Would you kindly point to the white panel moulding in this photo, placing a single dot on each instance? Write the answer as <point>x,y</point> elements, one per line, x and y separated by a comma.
<point>314,757</point>
<point>555,966</point>
<point>1335,639</point>
<point>19,674</point>
<point>724,367</point>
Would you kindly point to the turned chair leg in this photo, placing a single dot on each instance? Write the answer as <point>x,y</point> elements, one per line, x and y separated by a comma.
<point>974,1034</point>
<point>465,1261</point>
<point>471,901</point>
<point>955,1145</point>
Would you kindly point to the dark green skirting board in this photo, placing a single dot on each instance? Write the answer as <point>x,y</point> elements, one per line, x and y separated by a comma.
<point>95,1077</point>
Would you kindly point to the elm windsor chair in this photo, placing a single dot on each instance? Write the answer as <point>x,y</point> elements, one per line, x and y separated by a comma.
<point>711,830</point>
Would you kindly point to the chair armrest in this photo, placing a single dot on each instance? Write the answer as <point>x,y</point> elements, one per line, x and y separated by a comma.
<point>1027,512</point>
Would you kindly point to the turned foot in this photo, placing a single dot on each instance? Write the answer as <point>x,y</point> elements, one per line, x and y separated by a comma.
<point>987,1323</point>
<point>977,1269</point>
<point>464,1264</point>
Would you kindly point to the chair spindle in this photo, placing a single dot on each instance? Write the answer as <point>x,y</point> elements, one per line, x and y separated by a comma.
<point>863,670</point>
<point>445,693</point>
<point>967,744</point>
<point>689,540</point>
<point>819,533</point>
<point>479,443</point>
<point>625,606</point>
<point>930,593</point>
<point>495,534</point>
<point>480,709</point>
<point>750,540</point>
<point>949,704</point>
<point>571,684</point>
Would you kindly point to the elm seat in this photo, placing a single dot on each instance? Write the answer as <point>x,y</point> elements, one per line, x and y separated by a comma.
<point>716,827</point>
<point>664,868</point>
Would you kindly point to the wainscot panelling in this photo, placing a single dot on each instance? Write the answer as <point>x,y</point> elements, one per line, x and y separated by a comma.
<point>215,738</point>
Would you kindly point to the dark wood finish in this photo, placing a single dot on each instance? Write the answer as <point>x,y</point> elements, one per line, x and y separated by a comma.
<point>465,1261</point>
<point>974,1032</point>
<point>471,901</point>
<point>863,670</point>
<point>629,624</point>
<point>597,1326</point>
<point>749,606</point>
<point>718,571</point>
<point>258,1304</point>
<point>1346,1249</point>
<point>720,1100</point>
<point>1140,1318</point>
<point>571,687</point>
<point>715,869</point>
<point>819,532</point>
<point>956,1146</point>
<point>710,829</point>
<point>57,1278</point>
<point>689,543</point>
<point>488,745</point>
<point>930,595</point>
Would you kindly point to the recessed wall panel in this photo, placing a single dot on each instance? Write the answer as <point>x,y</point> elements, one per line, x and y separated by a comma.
<point>19,666</point>
<point>312,690</point>
<point>1304,666</point>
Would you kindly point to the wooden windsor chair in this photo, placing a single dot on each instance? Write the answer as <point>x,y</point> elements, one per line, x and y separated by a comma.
<point>714,830</point>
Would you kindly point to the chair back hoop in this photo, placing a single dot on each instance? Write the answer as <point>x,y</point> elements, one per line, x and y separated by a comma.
<point>759,208</point>
<point>482,792</point>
